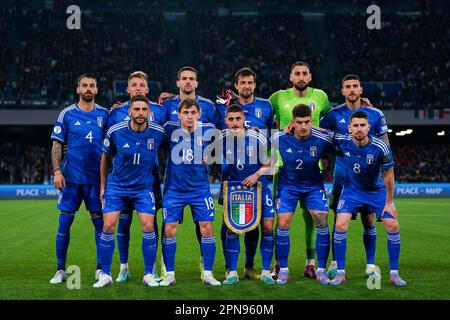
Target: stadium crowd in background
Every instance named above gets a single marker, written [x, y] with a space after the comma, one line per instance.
[412, 52]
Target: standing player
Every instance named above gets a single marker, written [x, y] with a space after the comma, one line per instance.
[369, 187]
[249, 167]
[186, 184]
[283, 101]
[137, 85]
[81, 127]
[258, 115]
[187, 83]
[300, 179]
[337, 120]
[133, 145]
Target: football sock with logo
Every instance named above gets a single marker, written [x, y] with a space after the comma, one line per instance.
[123, 236]
[322, 246]
[63, 238]
[370, 243]
[149, 250]
[393, 244]
[97, 221]
[208, 248]
[340, 247]
[106, 251]
[283, 245]
[232, 249]
[266, 249]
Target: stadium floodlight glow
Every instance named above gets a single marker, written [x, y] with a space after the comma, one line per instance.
[408, 131]
[390, 130]
[441, 133]
[400, 133]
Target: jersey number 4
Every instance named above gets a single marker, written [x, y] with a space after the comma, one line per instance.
[89, 137]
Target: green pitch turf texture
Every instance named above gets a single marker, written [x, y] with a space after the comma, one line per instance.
[27, 259]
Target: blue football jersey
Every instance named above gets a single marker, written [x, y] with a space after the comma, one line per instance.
[258, 113]
[83, 133]
[338, 119]
[299, 159]
[207, 108]
[242, 157]
[134, 156]
[157, 114]
[364, 164]
[186, 171]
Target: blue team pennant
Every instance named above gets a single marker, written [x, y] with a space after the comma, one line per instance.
[241, 206]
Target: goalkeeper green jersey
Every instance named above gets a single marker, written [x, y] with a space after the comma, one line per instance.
[283, 101]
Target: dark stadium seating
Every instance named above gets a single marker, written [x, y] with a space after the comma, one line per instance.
[404, 65]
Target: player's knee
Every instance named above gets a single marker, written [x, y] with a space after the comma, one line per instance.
[148, 226]
[169, 230]
[268, 225]
[320, 218]
[341, 226]
[283, 223]
[391, 225]
[206, 229]
[108, 226]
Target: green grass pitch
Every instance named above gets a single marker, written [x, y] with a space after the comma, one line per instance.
[27, 259]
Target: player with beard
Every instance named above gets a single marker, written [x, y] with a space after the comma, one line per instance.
[259, 116]
[81, 127]
[337, 120]
[283, 102]
[187, 83]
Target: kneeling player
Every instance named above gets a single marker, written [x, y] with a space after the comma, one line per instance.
[364, 158]
[248, 166]
[134, 145]
[187, 185]
[300, 179]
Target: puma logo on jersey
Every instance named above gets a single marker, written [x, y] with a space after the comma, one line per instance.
[126, 145]
[342, 121]
[78, 123]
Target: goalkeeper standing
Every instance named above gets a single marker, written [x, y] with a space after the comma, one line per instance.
[283, 101]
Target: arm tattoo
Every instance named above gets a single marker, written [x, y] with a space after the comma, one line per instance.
[56, 155]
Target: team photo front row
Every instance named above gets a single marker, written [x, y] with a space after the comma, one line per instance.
[111, 159]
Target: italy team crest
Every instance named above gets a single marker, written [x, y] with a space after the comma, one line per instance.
[258, 112]
[100, 122]
[241, 206]
[200, 141]
[150, 144]
[369, 159]
[151, 117]
[312, 105]
[313, 151]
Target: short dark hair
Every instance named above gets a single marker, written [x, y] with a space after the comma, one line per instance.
[244, 72]
[234, 108]
[350, 77]
[359, 115]
[300, 63]
[301, 111]
[86, 75]
[187, 103]
[139, 97]
[187, 68]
